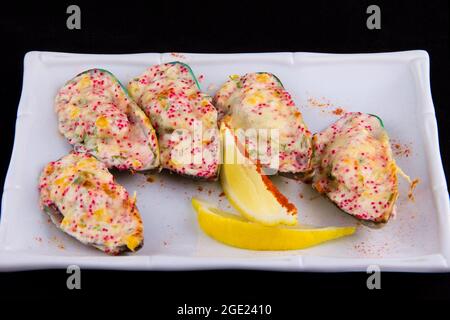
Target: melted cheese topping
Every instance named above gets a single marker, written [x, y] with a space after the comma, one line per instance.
[354, 167]
[96, 116]
[259, 101]
[95, 209]
[185, 119]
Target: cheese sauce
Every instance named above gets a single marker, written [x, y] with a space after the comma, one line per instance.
[96, 115]
[92, 207]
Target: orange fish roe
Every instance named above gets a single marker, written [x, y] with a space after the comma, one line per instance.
[338, 111]
[281, 198]
[401, 149]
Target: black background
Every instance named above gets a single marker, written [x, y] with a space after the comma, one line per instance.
[223, 27]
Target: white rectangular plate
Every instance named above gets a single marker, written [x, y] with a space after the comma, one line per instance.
[395, 86]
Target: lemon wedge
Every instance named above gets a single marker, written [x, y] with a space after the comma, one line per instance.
[233, 230]
[249, 191]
